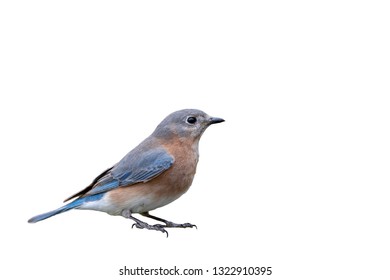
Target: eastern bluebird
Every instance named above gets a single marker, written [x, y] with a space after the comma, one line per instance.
[153, 174]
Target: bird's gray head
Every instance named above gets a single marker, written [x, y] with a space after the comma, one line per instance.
[187, 123]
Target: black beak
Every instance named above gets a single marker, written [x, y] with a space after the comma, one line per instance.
[216, 120]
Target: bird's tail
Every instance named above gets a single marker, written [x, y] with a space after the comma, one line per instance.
[62, 209]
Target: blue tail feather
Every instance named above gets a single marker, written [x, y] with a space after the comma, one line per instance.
[74, 204]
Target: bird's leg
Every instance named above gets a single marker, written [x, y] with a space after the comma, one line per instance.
[168, 224]
[140, 224]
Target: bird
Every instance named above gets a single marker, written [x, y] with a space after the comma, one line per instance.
[155, 173]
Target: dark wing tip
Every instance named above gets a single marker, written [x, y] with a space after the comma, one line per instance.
[90, 186]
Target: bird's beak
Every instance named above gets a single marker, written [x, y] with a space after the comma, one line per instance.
[215, 120]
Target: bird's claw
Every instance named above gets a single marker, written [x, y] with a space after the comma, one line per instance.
[157, 227]
[174, 225]
[190, 225]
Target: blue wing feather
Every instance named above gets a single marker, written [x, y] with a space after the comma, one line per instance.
[132, 169]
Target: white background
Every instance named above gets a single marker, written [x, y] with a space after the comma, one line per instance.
[297, 177]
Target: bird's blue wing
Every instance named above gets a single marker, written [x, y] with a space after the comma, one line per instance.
[151, 164]
[133, 168]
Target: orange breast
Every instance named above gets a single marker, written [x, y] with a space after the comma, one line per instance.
[165, 188]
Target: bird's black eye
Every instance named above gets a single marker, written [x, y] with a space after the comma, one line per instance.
[191, 120]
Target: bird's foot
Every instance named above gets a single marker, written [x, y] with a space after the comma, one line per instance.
[139, 224]
[169, 224]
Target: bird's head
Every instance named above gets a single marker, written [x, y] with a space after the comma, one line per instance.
[187, 123]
